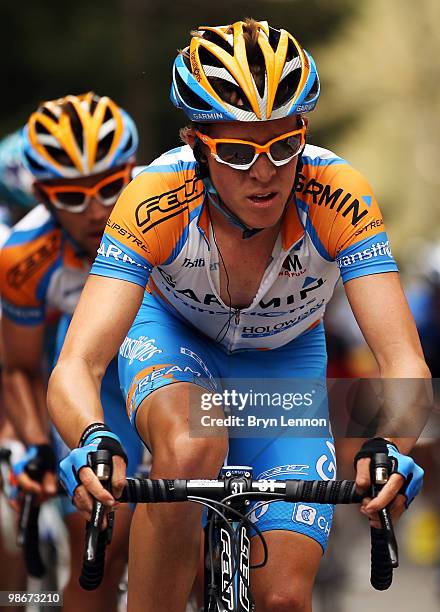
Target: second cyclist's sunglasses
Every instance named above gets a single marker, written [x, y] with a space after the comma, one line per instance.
[76, 198]
[242, 154]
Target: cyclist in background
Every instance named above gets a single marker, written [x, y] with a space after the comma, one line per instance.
[16, 191]
[16, 199]
[239, 237]
[80, 150]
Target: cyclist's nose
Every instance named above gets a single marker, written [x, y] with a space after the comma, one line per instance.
[263, 169]
[96, 211]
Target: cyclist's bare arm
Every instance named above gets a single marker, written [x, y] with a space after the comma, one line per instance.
[106, 309]
[24, 382]
[382, 312]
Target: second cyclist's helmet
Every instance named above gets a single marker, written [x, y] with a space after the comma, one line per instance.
[247, 71]
[77, 136]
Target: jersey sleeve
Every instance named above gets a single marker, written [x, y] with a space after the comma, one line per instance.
[146, 226]
[345, 221]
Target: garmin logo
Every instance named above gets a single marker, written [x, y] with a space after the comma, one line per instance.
[208, 116]
[304, 108]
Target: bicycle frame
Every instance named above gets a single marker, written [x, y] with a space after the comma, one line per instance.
[230, 591]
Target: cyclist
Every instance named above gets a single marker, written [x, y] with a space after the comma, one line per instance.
[80, 150]
[16, 199]
[16, 193]
[239, 237]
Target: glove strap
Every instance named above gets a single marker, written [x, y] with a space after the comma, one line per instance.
[92, 428]
[373, 446]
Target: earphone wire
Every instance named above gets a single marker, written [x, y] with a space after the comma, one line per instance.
[219, 337]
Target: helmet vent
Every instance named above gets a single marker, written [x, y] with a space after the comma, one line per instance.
[75, 124]
[256, 65]
[33, 164]
[231, 93]
[93, 104]
[218, 40]
[292, 51]
[274, 37]
[313, 90]
[60, 156]
[40, 128]
[104, 145]
[108, 114]
[287, 88]
[128, 144]
[48, 113]
[190, 98]
[208, 58]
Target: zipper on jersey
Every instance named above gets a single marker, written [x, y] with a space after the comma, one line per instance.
[236, 317]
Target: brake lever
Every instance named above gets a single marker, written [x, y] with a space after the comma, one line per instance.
[380, 473]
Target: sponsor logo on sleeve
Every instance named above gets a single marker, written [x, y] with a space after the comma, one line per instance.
[377, 249]
[159, 208]
[123, 231]
[370, 226]
[114, 252]
[328, 197]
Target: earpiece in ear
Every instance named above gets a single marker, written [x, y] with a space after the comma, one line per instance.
[202, 170]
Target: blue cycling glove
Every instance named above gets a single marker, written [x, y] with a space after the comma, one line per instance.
[400, 464]
[96, 437]
[38, 459]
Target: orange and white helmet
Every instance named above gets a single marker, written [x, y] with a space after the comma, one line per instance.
[247, 71]
[78, 136]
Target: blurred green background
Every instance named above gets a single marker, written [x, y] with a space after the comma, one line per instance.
[378, 62]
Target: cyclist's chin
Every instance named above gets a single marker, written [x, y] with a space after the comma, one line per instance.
[90, 244]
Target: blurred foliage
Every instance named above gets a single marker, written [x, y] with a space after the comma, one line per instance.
[382, 76]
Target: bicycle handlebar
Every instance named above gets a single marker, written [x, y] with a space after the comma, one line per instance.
[27, 528]
[312, 491]
[384, 553]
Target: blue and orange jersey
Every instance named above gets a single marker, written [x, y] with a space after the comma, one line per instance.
[159, 236]
[40, 270]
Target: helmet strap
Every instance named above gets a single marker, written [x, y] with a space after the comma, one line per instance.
[215, 200]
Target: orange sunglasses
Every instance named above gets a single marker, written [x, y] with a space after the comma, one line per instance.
[242, 154]
[76, 198]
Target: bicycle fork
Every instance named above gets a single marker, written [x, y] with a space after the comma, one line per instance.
[227, 586]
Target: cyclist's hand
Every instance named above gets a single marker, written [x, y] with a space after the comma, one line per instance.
[79, 480]
[35, 472]
[403, 485]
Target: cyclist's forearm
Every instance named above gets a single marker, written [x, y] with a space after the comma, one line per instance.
[406, 400]
[25, 403]
[73, 398]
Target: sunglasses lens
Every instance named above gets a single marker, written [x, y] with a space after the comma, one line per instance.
[285, 148]
[112, 190]
[235, 153]
[70, 198]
